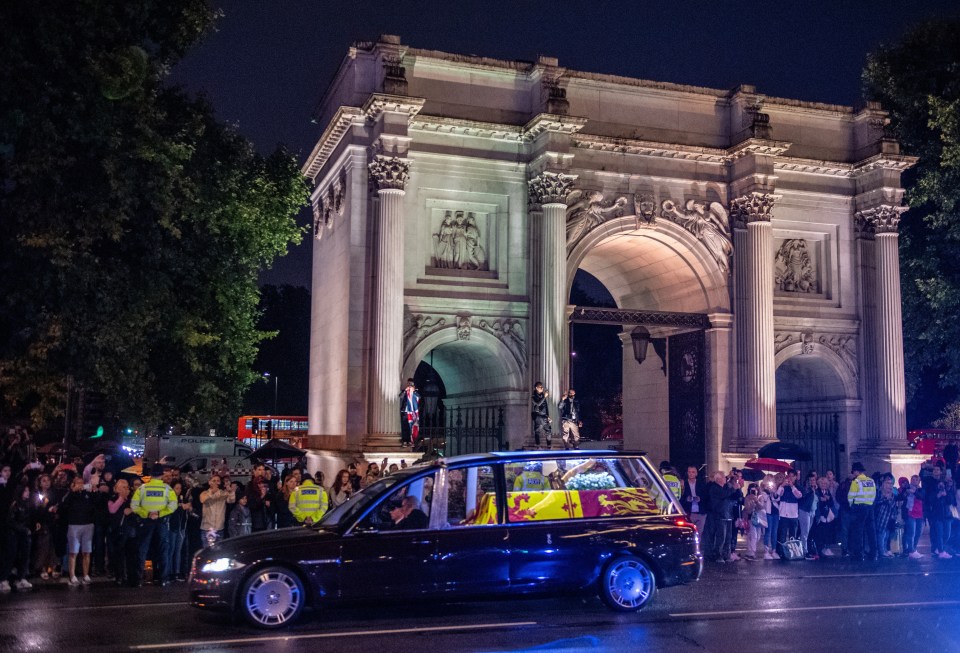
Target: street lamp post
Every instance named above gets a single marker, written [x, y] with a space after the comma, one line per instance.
[276, 383]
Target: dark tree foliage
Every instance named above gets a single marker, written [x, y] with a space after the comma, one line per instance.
[134, 224]
[285, 311]
[918, 81]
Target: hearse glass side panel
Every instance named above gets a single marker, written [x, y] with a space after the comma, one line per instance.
[549, 500]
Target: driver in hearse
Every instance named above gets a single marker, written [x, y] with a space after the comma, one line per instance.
[405, 514]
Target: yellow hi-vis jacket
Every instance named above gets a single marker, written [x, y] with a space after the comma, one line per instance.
[153, 496]
[308, 500]
[530, 482]
[674, 484]
[863, 491]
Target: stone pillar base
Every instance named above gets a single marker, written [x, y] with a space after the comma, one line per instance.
[896, 457]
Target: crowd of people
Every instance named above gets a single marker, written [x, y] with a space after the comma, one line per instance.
[76, 521]
[820, 516]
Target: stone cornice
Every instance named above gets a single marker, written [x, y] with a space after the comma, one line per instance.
[899, 162]
[759, 146]
[650, 148]
[548, 122]
[380, 103]
[336, 128]
[460, 127]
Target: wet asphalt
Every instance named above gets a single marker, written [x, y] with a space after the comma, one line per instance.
[808, 606]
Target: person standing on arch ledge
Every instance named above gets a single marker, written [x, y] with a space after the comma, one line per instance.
[570, 420]
[409, 415]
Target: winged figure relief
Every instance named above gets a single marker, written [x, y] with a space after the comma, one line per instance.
[709, 224]
[586, 209]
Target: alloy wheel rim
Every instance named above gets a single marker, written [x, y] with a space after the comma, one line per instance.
[629, 583]
[273, 598]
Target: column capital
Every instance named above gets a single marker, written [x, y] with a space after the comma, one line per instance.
[752, 207]
[388, 172]
[883, 219]
[550, 188]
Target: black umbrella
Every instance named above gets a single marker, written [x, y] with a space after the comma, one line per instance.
[784, 451]
[277, 450]
[752, 475]
[58, 448]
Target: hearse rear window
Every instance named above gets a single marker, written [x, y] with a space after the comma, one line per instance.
[588, 488]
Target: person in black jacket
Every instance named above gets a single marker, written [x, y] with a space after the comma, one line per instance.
[541, 416]
[721, 493]
[77, 511]
[693, 497]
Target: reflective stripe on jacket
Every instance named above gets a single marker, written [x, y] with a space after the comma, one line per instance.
[153, 496]
[308, 500]
[863, 491]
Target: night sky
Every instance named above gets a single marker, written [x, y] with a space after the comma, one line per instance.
[267, 65]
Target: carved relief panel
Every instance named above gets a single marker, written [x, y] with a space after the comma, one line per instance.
[459, 243]
[794, 268]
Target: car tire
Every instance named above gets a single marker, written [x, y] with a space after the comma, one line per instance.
[627, 584]
[272, 597]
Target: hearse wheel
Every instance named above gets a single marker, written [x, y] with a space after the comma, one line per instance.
[272, 597]
[627, 584]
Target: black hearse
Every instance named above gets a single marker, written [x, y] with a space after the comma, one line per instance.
[517, 523]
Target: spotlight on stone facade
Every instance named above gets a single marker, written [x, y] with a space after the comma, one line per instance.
[641, 340]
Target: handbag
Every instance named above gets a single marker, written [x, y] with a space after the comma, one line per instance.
[792, 550]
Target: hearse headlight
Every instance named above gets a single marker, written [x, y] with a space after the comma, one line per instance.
[220, 564]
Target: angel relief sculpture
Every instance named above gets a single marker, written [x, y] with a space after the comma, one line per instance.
[710, 225]
[456, 245]
[586, 209]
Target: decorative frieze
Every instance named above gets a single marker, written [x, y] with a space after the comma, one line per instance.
[388, 172]
[457, 243]
[793, 269]
[327, 205]
[709, 224]
[883, 219]
[841, 344]
[550, 188]
[507, 330]
[752, 207]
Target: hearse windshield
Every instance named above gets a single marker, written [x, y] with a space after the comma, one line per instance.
[345, 512]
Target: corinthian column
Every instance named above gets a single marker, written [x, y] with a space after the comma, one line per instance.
[549, 192]
[389, 176]
[889, 417]
[758, 412]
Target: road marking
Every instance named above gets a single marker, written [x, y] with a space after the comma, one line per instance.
[815, 608]
[352, 633]
[889, 573]
[125, 606]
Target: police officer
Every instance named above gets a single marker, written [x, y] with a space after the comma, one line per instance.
[671, 479]
[153, 503]
[862, 494]
[308, 502]
[531, 480]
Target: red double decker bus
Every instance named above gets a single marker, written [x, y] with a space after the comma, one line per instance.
[932, 441]
[254, 430]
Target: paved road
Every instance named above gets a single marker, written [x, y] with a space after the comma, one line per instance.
[743, 607]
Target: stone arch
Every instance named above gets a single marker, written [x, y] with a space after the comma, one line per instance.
[482, 357]
[827, 356]
[712, 283]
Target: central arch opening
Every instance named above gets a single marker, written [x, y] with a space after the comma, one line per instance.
[663, 395]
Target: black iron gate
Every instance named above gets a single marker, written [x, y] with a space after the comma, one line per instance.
[454, 431]
[687, 386]
[818, 433]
